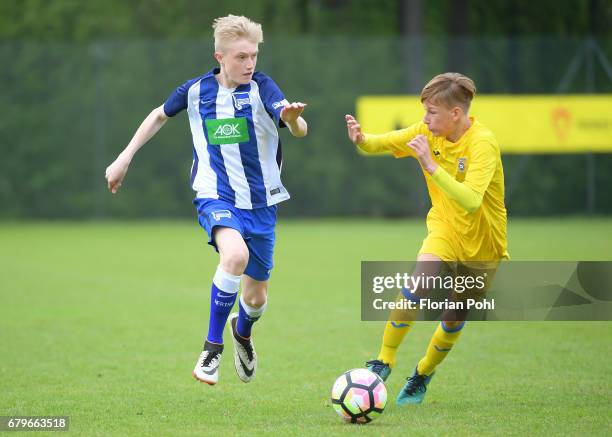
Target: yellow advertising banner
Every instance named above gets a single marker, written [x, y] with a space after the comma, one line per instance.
[521, 123]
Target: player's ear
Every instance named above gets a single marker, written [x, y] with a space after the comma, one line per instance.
[219, 57]
[457, 112]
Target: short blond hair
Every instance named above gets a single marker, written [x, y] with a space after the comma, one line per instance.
[450, 89]
[233, 27]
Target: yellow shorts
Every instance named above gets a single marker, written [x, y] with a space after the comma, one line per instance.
[441, 244]
[446, 245]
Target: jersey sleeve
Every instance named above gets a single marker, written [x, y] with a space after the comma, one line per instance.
[467, 198]
[393, 142]
[469, 193]
[272, 97]
[177, 101]
[482, 168]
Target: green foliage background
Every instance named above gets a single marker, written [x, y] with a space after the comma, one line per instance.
[78, 78]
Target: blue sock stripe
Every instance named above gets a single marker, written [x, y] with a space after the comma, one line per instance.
[410, 296]
[399, 324]
[459, 327]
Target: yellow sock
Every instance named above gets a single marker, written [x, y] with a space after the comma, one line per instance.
[392, 338]
[440, 345]
[400, 322]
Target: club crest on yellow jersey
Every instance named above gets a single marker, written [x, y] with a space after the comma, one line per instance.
[461, 164]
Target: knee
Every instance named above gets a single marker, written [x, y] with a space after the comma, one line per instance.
[235, 261]
[453, 325]
[454, 318]
[256, 300]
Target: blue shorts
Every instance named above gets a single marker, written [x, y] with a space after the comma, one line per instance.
[255, 225]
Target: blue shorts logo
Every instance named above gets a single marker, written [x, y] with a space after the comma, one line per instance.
[218, 215]
[241, 100]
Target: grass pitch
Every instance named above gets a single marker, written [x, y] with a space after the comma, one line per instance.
[103, 322]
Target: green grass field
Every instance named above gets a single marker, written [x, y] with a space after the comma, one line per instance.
[103, 322]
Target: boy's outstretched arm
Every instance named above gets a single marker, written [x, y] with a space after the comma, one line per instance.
[354, 130]
[148, 128]
[358, 138]
[291, 115]
[393, 142]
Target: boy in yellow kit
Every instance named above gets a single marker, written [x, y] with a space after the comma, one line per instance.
[466, 225]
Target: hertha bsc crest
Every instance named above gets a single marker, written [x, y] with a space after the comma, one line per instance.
[218, 215]
[461, 164]
[241, 100]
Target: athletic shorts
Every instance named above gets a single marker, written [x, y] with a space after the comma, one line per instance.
[255, 225]
[440, 241]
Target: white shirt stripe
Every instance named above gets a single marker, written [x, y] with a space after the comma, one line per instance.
[205, 181]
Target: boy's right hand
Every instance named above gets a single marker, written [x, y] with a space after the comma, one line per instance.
[116, 172]
[354, 130]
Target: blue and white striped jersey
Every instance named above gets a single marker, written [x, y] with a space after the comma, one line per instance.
[237, 153]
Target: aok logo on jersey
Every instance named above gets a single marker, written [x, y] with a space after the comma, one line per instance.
[227, 130]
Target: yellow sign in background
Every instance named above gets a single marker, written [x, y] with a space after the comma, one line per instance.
[521, 123]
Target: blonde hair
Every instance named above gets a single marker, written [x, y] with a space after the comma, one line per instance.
[450, 89]
[232, 28]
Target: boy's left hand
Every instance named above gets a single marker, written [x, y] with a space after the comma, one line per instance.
[420, 145]
[291, 112]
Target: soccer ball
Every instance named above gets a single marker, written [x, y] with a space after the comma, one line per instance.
[359, 396]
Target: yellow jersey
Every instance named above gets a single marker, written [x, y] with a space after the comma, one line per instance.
[477, 233]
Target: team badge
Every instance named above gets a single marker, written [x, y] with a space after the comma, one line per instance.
[461, 164]
[218, 215]
[241, 100]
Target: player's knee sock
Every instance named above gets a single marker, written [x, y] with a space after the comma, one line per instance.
[222, 298]
[440, 345]
[247, 316]
[396, 330]
[392, 338]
